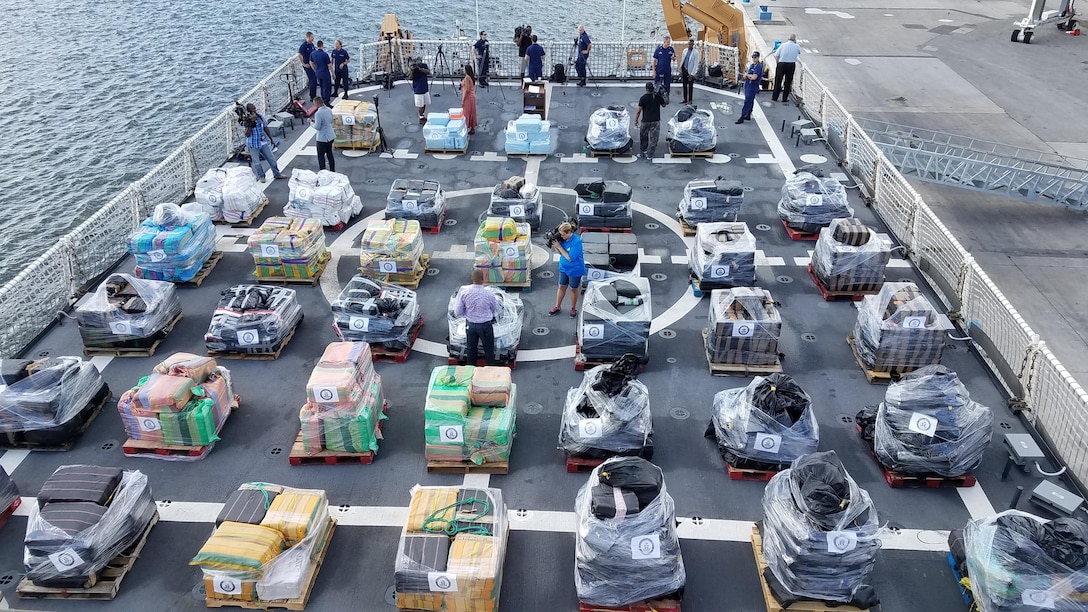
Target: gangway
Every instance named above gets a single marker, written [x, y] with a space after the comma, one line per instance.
[939, 157]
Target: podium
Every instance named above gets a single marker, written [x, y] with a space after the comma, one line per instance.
[534, 98]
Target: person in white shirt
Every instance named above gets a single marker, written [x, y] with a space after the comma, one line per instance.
[689, 65]
[786, 54]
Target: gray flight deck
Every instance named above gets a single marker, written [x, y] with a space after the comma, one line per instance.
[369, 500]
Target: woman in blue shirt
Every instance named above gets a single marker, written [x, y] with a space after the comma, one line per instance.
[572, 267]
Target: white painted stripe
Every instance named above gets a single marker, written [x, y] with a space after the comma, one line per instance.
[310, 151]
[898, 263]
[488, 156]
[532, 170]
[188, 512]
[763, 260]
[802, 261]
[456, 251]
[101, 362]
[978, 504]
[578, 158]
[648, 259]
[231, 245]
[11, 459]
[780, 155]
[477, 481]
[400, 154]
[763, 158]
[679, 260]
[669, 159]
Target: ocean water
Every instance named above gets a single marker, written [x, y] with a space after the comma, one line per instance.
[96, 93]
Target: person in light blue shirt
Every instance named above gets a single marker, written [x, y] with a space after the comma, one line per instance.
[325, 134]
[786, 54]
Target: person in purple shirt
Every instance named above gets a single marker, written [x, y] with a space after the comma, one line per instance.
[304, 51]
[480, 308]
[321, 64]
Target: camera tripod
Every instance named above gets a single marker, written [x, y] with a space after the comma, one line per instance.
[485, 82]
[589, 72]
[442, 67]
[382, 146]
[388, 82]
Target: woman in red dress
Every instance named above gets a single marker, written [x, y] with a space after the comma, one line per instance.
[468, 98]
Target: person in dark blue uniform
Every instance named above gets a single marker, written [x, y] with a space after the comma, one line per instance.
[752, 79]
[536, 54]
[584, 47]
[304, 51]
[322, 67]
[482, 50]
[341, 76]
[663, 65]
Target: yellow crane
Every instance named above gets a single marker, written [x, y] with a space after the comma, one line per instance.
[723, 23]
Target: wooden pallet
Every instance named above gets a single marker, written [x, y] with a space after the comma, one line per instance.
[582, 364]
[606, 230]
[360, 147]
[875, 377]
[526, 155]
[653, 605]
[6, 514]
[204, 271]
[831, 296]
[424, 262]
[434, 229]
[581, 464]
[380, 353]
[299, 456]
[309, 280]
[736, 473]
[796, 235]
[900, 480]
[467, 467]
[103, 351]
[736, 369]
[461, 151]
[687, 230]
[103, 585]
[523, 286]
[148, 448]
[608, 154]
[245, 222]
[257, 356]
[703, 154]
[804, 605]
[296, 603]
[963, 585]
[88, 415]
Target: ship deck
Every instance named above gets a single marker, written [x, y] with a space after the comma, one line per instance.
[715, 513]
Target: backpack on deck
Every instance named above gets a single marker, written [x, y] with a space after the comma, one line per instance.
[559, 75]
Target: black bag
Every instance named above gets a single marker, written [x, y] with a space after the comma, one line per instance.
[715, 71]
[559, 75]
[662, 90]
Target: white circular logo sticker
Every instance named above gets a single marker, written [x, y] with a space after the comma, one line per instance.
[329, 395]
[213, 198]
[646, 547]
[517, 210]
[1041, 599]
[270, 250]
[698, 204]
[359, 324]
[585, 208]
[522, 136]
[814, 199]
[247, 337]
[227, 585]
[65, 559]
[743, 330]
[387, 267]
[923, 424]
[914, 322]
[442, 582]
[594, 331]
[510, 251]
[348, 119]
[149, 424]
[719, 272]
[768, 443]
[157, 255]
[121, 328]
[595, 274]
[589, 428]
[451, 433]
[839, 542]
[612, 123]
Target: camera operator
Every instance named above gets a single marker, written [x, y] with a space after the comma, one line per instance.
[259, 143]
[572, 266]
[482, 51]
[584, 47]
[523, 38]
[421, 87]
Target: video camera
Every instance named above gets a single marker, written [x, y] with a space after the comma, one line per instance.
[245, 118]
[522, 30]
[552, 236]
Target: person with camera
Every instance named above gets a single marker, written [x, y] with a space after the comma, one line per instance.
[572, 265]
[585, 45]
[321, 64]
[480, 308]
[304, 51]
[649, 112]
[341, 74]
[522, 37]
[482, 48]
[421, 87]
[536, 54]
[325, 134]
[663, 56]
[468, 98]
[259, 143]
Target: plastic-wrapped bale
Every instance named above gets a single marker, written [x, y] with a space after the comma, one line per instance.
[602, 203]
[626, 549]
[47, 402]
[371, 311]
[209, 192]
[529, 134]
[391, 251]
[609, 130]
[127, 312]
[710, 201]
[264, 544]
[518, 200]
[325, 196]
[456, 430]
[344, 401]
[897, 329]
[288, 248]
[765, 425]
[1018, 561]
[452, 550]
[85, 516]
[252, 319]
[928, 424]
[444, 133]
[615, 319]
[241, 195]
[819, 534]
[8, 491]
[507, 326]
[356, 125]
[724, 255]
[809, 203]
[173, 244]
[851, 257]
[503, 250]
[692, 130]
[185, 408]
[744, 327]
[608, 414]
[417, 200]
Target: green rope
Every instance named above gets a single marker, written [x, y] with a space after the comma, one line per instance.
[260, 487]
[451, 527]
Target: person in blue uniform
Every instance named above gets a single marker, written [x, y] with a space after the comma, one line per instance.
[585, 45]
[341, 76]
[536, 54]
[752, 79]
[321, 64]
[663, 65]
[482, 49]
[304, 51]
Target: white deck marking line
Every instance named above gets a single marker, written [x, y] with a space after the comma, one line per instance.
[532, 170]
[11, 459]
[230, 245]
[679, 260]
[400, 154]
[669, 159]
[101, 362]
[578, 158]
[488, 156]
[343, 246]
[763, 260]
[899, 263]
[784, 162]
[653, 260]
[802, 261]
[763, 158]
[456, 251]
[312, 151]
[978, 504]
[477, 481]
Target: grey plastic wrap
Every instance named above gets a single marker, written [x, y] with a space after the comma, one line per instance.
[898, 329]
[929, 424]
[609, 129]
[845, 267]
[711, 200]
[53, 554]
[523, 205]
[692, 129]
[372, 311]
[1018, 562]
[418, 200]
[615, 319]
[596, 421]
[242, 196]
[634, 555]
[809, 202]
[819, 530]
[744, 327]
[252, 319]
[507, 325]
[8, 491]
[324, 195]
[724, 254]
[209, 192]
[125, 309]
[56, 392]
[770, 421]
